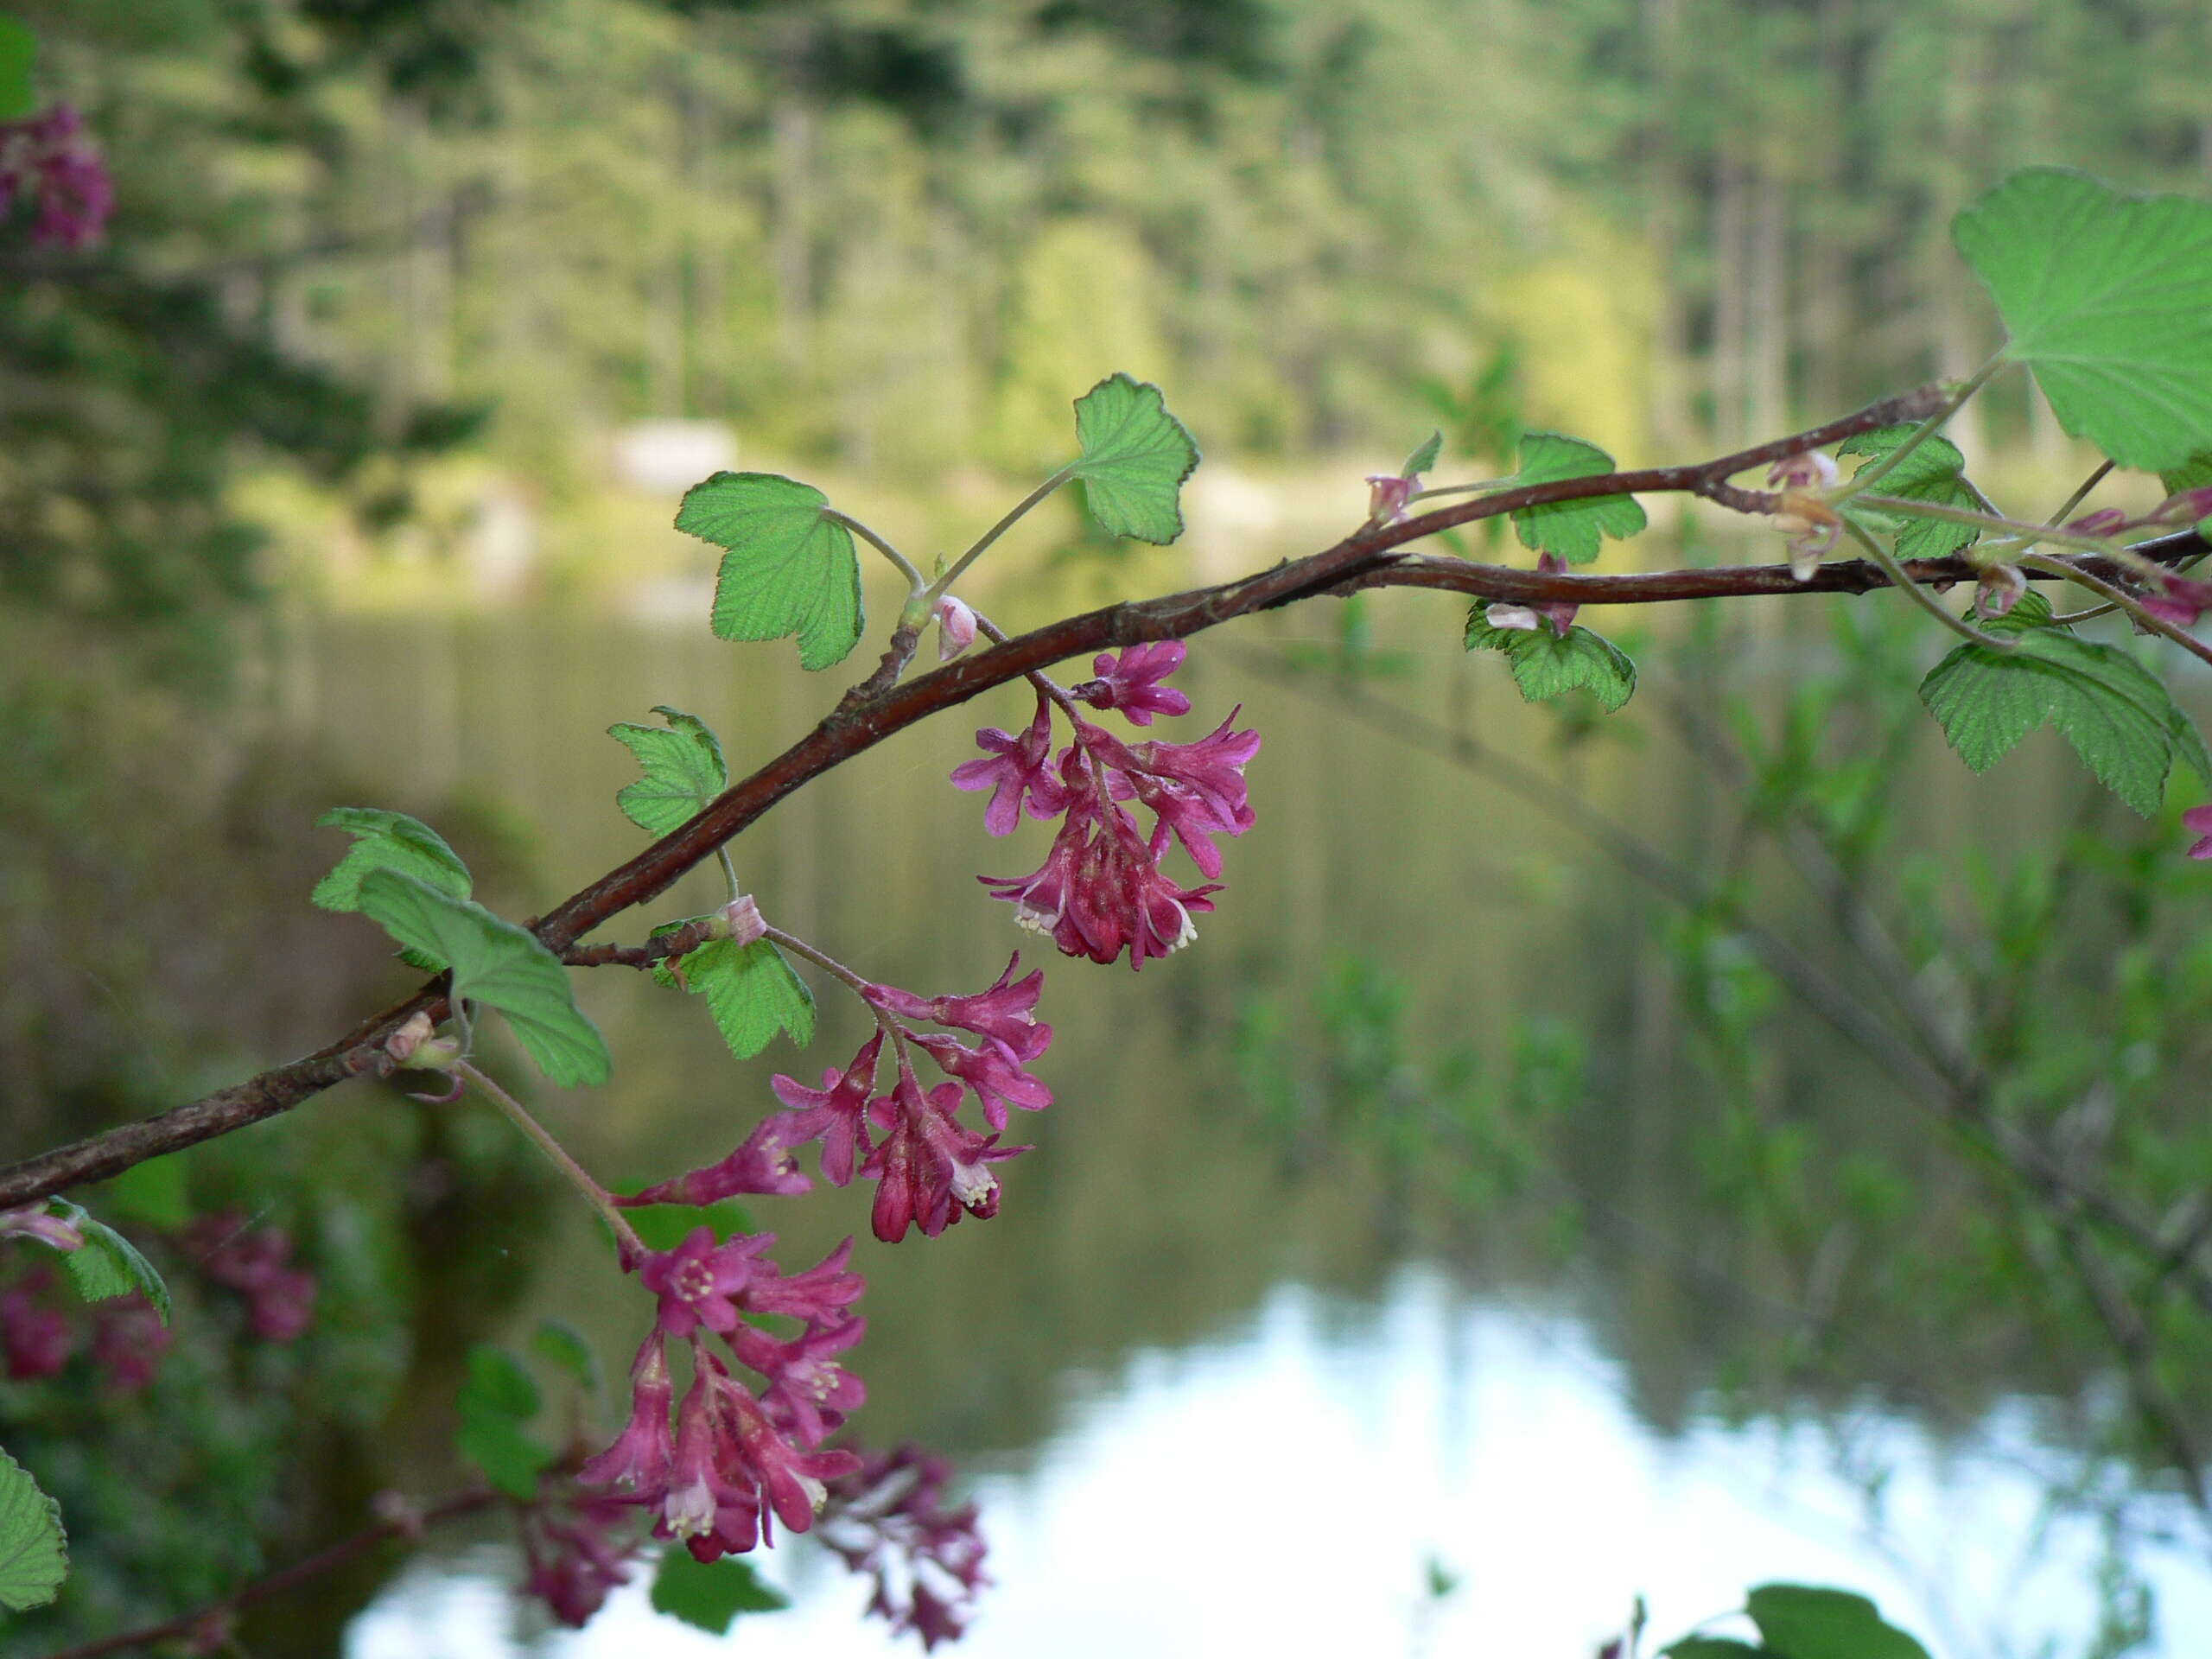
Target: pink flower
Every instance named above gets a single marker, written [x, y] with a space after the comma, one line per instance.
[956, 628]
[36, 1338]
[129, 1341]
[1999, 589]
[2105, 521]
[33, 1221]
[2186, 508]
[280, 1298]
[1099, 893]
[712, 1503]
[2181, 602]
[2198, 821]
[836, 1113]
[47, 160]
[762, 1164]
[822, 1294]
[639, 1461]
[993, 1070]
[1018, 772]
[1809, 470]
[572, 1561]
[1132, 685]
[927, 1168]
[889, 1519]
[1559, 614]
[808, 1393]
[698, 1282]
[1387, 494]
[1003, 1012]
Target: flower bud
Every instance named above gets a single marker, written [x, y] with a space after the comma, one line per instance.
[956, 628]
[744, 918]
[1809, 470]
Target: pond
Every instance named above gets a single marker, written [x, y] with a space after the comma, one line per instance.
[1212, 1391]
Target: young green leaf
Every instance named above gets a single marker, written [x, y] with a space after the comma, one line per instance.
[18, 51]
[496, 1399]
[751, 991]
[2118, 714]
[711, 1594]
[684, 770]
[1573, 530]
[34, 1550]
[497, 964]
[2108, 300]
[107, 1264]
[1808, 1622]
[1136, 456]
[1545, 665]
[788, 566]
[1932, 472]
[387, 841]
[1423, 458]
[1714, 1647]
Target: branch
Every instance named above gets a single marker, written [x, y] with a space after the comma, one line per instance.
[189, 1627]
[883, 706]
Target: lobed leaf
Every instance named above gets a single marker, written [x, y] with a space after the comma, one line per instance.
[2108, 301]
[1572, 530]
[387, 841]
[1545, 665]
[1804, 1621]
[1935, 472]
[107, 1264]
[709, 1595]
[34, 1549]
[1423, 458]
[497, 964]
[684, 768]
[751, 992]
[1135, 457]
[2116, 714]
[788, 568]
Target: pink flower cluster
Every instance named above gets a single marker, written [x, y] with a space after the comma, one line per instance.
[1101, 890]
[888, 1519]
[255, 1262]
[573, 1554]
[47, 161]
[732, 1463]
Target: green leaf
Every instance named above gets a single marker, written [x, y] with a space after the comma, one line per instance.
[387, 841]
[1714, 1647]
[18, 51]
[2109, 299]
[751, 991]
[1423, 458]
[497, 964]
[1803, 1622]
[1572, 530]
[559, 1343]
[664, 1226]
[107, 1264]
[788, 566]
[34, 1550]
[496, 1399]
[1136, 456]
[1545, 665]
[711, 1594]
[2116, 714]
[1932, 472]
[684, 770]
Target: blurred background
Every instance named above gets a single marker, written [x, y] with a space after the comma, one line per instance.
[1484, 1222]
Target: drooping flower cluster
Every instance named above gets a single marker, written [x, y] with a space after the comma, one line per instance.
[49, 163]
[888, 1519]
[255, 1262]
[733, 1462]
[574, 1553]
[1101, 890]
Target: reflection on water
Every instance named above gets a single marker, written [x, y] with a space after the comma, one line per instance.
[1209, 1395]
[1278, 1488]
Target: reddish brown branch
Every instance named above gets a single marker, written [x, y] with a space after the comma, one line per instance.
[190, 1626]
[1370, 557]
